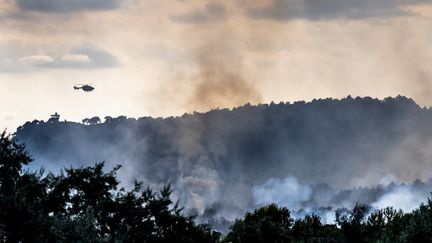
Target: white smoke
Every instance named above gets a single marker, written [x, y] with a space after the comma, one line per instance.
[200, 188]
[401, 197]
[286, 192]
[301, 200]
[388, 179]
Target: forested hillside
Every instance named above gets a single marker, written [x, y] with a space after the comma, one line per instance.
[224, 162]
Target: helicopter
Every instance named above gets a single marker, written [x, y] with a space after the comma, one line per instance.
[85, 87]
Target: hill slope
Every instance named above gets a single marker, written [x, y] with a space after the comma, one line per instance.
[223, 159]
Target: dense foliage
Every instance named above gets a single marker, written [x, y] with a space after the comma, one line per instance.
[274, 224]
[85, 205]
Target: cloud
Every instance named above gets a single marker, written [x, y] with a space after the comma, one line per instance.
[86, 58]
[212, 12]
[77, 58]
[36, 59]
[80, 58]
[66, 5]
[282, 10]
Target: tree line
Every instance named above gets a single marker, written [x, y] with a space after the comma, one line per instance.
[275, 224]
[87, 205]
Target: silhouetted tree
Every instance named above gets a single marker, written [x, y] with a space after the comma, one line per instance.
[85, 205]
[383, 225]
[311, 229]
[108, 119]
[94, 120]
[22, 195]
[351, 222]
[91, 121]
[266, 224]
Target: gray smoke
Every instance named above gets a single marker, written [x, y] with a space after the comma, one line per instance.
[310, 157]
[286, 192]
[307, 199]
[405, 197]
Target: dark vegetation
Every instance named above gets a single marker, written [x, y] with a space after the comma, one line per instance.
[274, 224]
[86, 205]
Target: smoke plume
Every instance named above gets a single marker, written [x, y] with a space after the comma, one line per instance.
[286, 192]
[310, 157]
[220, 81]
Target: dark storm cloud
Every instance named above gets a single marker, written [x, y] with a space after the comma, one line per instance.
[282, 10]
[211, 12]
[66, 5]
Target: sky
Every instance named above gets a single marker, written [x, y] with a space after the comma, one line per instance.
[165, 58]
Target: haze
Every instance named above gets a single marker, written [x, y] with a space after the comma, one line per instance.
[163, 58]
